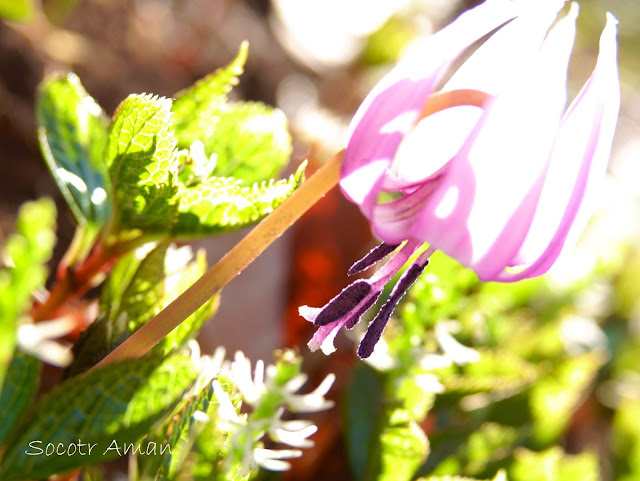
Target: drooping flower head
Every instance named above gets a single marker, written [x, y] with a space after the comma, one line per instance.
[491, 168]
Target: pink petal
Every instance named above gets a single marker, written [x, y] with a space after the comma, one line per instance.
[393, 222]
[438, 138]
[392, 107]
[482, 209]
[427, 149]
[493, 66]
[580, 156]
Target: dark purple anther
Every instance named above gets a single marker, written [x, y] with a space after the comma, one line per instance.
[355, 317]
[376, 254]
[340, 305]
[376, 328]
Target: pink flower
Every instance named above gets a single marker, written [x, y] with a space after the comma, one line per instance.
[501, 184]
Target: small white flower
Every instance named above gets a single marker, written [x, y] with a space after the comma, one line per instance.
[203, 166]
[294, 438]
[312, 402]
[259, 387]
[381, 359]
[250, 389]
[455, 351]
[272, 459]
[429, 362]
[226, 411]
[39, 340]
[201, 417]
[580, 334]
[429, 383]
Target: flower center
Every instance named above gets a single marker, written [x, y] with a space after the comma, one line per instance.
[442, 100]
[445, 122]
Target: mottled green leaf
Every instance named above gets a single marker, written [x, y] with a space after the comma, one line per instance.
[180, 433]
[23, 255]
[57, 11]
[478, 452]
[178, 282]
[403, 448]
[20, 386]
[251, 142]
[626, 438]
[499, 477]
[111, 407]
[199, 443]
[553, 465]
[141, 157]
[131, 296]
[210, 458]
[195, 107]
[17, 10]
[489, 444]
[555, 397]
[362, 406]
[495, 371]
[72, 129]
[142, 283]
[222, 204]
[384, 442]
[385, 45]
[416, 397]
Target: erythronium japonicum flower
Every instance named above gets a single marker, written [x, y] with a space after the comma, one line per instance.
[491, 168]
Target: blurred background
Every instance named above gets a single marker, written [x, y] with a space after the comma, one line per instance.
[316, 61]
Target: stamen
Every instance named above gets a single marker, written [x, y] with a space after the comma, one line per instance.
[375, 255]
[344, 302]
[355, 317]
[376, 328]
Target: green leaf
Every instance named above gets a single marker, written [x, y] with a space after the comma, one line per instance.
[141, 157]
[24, 254]
[20, 386]
[403, 448]
[211, 458]
[499, 477]
[199, 444]
[495, 371]
[553, 465]
[478, 452]
[142, 283]
[57, 11]
[556, 396]
[416, 397]
[175, 284]
[72, 130]
[626, 438]
[143, 296]
[17, 10]
[489, 444]
[130, 297]
[363, 405]
[110, 408]
[222, 204]
[251, 142]
[180, 433]
[195, 107]
[384, 442]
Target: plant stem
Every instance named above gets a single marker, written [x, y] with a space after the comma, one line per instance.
[74, 282]
[242, 254]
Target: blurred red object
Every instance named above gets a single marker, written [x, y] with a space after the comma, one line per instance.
[330, 237]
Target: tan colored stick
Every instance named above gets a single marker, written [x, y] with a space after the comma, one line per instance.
[230, 265]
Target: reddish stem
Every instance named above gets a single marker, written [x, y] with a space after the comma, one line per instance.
[73, 282]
